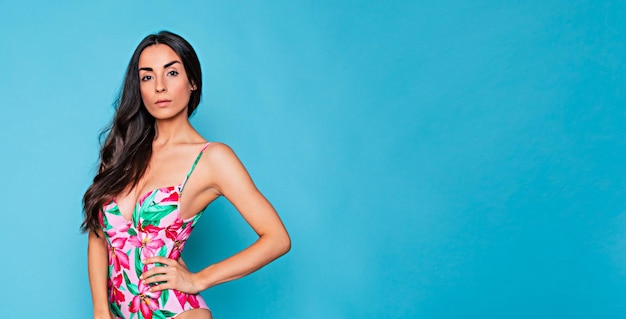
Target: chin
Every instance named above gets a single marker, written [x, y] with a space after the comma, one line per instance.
[165, 114]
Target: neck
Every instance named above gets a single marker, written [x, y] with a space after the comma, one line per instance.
[173, 131]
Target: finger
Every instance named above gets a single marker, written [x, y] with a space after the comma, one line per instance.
[154, 271]
[162, 286]
[156, 279]
[159, 259]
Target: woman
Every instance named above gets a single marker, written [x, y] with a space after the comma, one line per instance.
[156, 177]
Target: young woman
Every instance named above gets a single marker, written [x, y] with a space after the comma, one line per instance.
[156, 177]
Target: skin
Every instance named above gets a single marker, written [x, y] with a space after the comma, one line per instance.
[98, 264]
[165, 90]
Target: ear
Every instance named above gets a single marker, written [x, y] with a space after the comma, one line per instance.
[193, 86]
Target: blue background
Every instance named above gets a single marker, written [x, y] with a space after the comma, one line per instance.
[431, 159]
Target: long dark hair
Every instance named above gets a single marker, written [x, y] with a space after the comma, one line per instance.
[127, 149]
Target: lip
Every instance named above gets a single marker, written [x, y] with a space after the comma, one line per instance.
[163, 102]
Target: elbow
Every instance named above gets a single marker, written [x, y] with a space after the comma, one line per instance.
[287, 245]
[276, 244]
[283, 244]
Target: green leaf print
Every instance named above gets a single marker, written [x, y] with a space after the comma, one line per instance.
[165, 295]
[163, 251]
[145, 223]
[168, 313]
[138, 263]
[155, 213]
[131, 287]
[149, 200]
[115, 309]
[115, 211]
[132, 232]
[136, 216]
[105, 220]
[158, 315]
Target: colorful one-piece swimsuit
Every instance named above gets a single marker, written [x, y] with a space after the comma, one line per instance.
[155, 229]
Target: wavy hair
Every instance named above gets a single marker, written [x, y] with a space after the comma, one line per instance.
[127, 149]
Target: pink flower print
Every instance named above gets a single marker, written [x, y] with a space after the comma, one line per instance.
[115, 295]
[171, 231]
[183, 235]
[174, 254]
[183, 298]
[146, 301]
[173, 197]
[125, 227]
[148, 242]
[148, 228]
[146, 195]
[179, 241]
[113, 232]
[117, 257]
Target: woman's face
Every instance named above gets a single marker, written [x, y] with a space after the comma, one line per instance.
[165, 87]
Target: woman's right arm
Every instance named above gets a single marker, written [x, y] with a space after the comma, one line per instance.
[98, 264]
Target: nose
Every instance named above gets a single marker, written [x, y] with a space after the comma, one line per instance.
[160, 86]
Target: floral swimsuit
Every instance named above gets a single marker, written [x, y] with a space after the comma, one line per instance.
[155, 229]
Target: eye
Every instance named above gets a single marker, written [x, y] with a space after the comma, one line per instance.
[146, 78]
[172, 73]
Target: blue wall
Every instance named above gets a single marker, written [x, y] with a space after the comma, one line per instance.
[431, 159]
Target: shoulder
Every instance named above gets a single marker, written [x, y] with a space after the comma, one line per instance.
[217, 150]
[219, 154]
[223, 168]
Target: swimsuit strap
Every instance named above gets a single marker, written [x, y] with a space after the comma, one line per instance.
[194, 165]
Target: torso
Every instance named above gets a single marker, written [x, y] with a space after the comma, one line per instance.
[152, 225]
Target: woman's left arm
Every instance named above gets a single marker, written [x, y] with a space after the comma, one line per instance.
[231, 180]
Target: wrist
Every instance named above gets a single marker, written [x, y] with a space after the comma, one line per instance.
[203, 280]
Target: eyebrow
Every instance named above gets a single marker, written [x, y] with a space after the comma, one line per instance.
[167, 65]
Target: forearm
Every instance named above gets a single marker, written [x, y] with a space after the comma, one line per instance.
[259, 254]
[98, 267]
